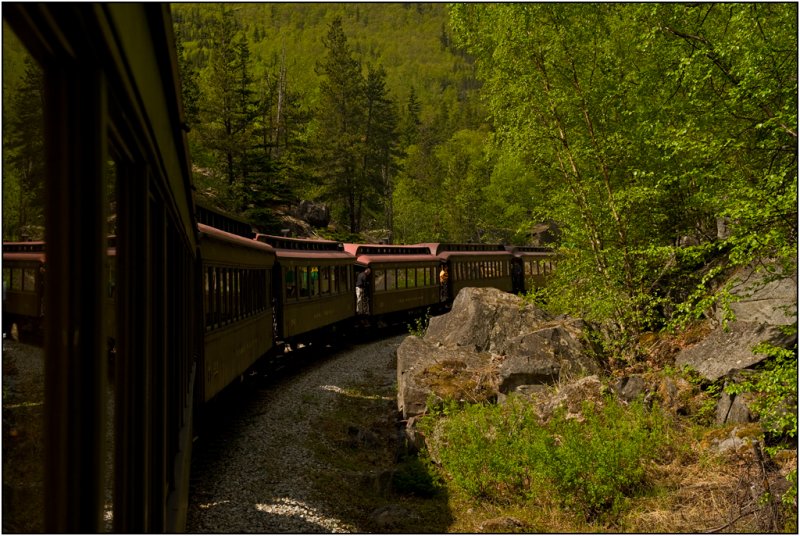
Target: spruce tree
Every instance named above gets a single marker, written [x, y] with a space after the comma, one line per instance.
[340, 117]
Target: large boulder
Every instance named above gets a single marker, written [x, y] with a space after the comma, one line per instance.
[316, 214]
[724, 352]
[763, 298]
[484, 319]
[763, 304]
[426, 371]
[547, 355]
[491, 343]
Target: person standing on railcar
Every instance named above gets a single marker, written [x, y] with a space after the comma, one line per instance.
[443, 276]
[362, 292]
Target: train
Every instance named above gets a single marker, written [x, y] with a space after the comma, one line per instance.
[185, 300]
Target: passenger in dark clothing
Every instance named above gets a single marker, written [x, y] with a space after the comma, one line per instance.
[362, 292]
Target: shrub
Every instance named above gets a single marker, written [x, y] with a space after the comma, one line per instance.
[504, 454]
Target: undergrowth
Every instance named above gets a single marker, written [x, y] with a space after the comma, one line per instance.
[503, 454]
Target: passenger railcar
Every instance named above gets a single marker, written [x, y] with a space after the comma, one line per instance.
[113, 125]
[237, 306]
[534, 266]
[313, 285]
[23, 284]
[474, 265]
[403, 278]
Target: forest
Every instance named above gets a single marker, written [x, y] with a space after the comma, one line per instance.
[653, 138]
[656, 141]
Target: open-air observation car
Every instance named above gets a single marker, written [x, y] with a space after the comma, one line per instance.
[402, 277]
[314, 282]
[474, 265]
[237, 306]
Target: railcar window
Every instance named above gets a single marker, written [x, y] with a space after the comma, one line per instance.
[379, 280]
[16, 279]
[314, 271]
[303, 273]
[334, 280]
[29, 283]
[23, 219]
[324, 280]
[391, 279]
[290, 282]
[402, 280]
[421, 280]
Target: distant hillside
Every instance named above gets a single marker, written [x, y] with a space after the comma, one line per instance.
[411, 41]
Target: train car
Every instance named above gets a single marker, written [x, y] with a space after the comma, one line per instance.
[533, 264]
[474, 265]
[113, 138]
[24, 275]
[403, 278]
[237, 307]
[23, 284]
[219, 219]
[313, 285]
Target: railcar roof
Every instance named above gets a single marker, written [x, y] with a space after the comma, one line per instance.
[23, 257]
[367, 254]
[385, 249]
[23, 247]
[446, 255]
[366, 260]
[224, 236]
[299, 244]
[313, 255]
[437, 248]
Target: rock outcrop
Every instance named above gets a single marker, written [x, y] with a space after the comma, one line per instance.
[491, 343]
[763, 304]
[316, 214]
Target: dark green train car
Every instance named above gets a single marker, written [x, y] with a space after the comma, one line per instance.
[403, 278]
[474, 265]
[237, 306]
[313, 284]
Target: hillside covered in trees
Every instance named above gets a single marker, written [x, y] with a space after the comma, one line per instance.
[636, 128]
[659, 140]
[329, 102]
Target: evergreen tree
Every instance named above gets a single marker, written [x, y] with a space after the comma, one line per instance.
[411, 121]
[190, 91]
[23, 155]
[340, 118]
[380, 140]
[227, 107]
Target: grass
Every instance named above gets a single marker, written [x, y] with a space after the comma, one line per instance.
[618, 468]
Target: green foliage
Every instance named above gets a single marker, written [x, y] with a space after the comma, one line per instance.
[638, 125]
[419, 325]
[775, 389]
[414, 476]
[503, 453]
[23, 144]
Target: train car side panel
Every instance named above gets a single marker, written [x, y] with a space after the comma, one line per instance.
[317, 291]
[400, 286]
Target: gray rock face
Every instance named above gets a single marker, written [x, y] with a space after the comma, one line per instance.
[732, 409]
[425, 370]
[316, 214]
[545, 356]
[762, 301]
[488, 345]
[484, 319]
[722, 353]
[763, 306]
